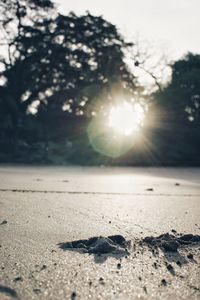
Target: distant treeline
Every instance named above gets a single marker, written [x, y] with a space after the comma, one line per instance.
[58, 72]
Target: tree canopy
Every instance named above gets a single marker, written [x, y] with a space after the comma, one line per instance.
[69, 64]
[180, 99]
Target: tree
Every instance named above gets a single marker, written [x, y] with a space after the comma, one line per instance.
[64, 64]
[17, 15]
[174, 114]
[180, 99]
[150, 65]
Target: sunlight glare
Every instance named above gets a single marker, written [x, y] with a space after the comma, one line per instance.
[126, 118]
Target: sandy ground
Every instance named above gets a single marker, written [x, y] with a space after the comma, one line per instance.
[44, 206]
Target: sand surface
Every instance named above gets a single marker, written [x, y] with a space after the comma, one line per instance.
[44, 207]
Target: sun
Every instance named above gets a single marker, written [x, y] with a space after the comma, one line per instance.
[126, 119]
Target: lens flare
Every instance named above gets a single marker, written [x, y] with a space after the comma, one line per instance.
[126, 118]
[115, 131]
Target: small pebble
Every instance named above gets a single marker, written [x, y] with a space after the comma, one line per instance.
[36, 291]
[169, 267]
[3, 222]
[101, 280]
[190, 256]
[164, 282]
[73, 296]
[145, 289]
[18, 279]
[43, 267]
[119, 266]
[155, 265]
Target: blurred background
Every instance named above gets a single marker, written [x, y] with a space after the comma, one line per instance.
[100, 82]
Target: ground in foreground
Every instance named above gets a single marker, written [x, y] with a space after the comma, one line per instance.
[42, 209]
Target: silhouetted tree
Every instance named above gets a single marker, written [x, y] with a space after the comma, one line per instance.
[179, 102]
[60, 64]
[16, 17]
[175, 114]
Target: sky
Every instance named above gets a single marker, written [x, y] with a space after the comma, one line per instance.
[172, 25]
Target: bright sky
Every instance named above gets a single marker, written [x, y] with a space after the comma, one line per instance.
[173, 25]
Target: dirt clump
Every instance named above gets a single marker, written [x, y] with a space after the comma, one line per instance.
[98, 245]
[171, 242]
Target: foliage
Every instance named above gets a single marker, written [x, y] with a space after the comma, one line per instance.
[57, 64]
[180, 100]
